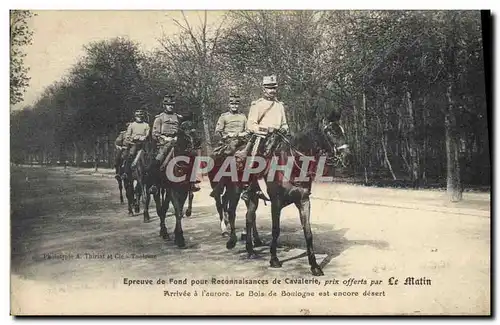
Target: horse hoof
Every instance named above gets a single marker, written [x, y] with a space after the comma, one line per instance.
[164, 234]
[147, 220]
[243, 237]
[275, 263]
[316, 271]
[137, 210]
[131, 214]
[231, 243]
[180, 242]
[225, 234]
[253, 256]
[258, 243]
[188, 213]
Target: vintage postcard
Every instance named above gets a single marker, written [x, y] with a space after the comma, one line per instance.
[311, 162]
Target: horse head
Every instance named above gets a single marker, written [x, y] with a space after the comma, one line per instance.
[335, 144]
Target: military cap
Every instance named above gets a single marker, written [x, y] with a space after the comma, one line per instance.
[234, 99]
[269, 81]
[168, 99]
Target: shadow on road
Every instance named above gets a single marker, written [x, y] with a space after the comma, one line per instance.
[54, 213]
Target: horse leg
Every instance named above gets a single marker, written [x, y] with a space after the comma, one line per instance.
[232, 202]
[190, 204]
[138, 195]
[276, 207]
[252, 205]
[225, 202]
[220, 210]
[120, 187]
[178, 200]
[257, 242]
[129, 190]
[147, 200]
[159, 210]
[304, 207]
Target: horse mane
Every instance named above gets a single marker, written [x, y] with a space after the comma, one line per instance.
[307, 140]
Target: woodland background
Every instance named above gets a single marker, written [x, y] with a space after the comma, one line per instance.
[410, 86]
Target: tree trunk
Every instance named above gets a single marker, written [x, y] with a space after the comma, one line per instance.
[365, 140]
[206, 128]
[386, 158]
[383, 141]
[453, 182]
[412, 143]
[356, 135]
[111, 150]
[96, 155]
[424, 145]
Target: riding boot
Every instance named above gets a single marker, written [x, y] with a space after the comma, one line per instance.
[123, 169]
[154, 175]
[126, 167]
[117, 172]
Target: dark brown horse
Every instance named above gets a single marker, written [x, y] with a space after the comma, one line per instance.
[175, 191]
[120, 188]
[227, 195]
[327, 143]
[134, 182]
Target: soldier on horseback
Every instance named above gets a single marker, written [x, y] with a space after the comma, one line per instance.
[120, 151]
[231, 128]
[165, 129]
[266, 115]
[134, 139]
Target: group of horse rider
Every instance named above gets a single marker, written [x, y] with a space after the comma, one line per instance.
[164, 134]
[266, 115]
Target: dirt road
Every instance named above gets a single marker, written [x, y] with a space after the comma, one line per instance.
[73, 246]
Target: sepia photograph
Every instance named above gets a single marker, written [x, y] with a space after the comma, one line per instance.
[250, 162]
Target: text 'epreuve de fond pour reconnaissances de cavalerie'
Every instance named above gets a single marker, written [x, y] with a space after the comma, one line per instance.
[274, 287]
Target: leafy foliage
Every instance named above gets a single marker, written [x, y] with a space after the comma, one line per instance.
[20, 36]
[404, 82]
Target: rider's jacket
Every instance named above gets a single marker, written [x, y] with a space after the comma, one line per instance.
[231, 123]
[165, 124]
[274, 116]
[137, 129]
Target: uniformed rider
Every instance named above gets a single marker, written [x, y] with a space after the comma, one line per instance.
[231, 128]
[119, 153]
[165, 129]
[135, 136]
[266, 115]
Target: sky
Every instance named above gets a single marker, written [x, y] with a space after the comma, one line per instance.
[59, 38]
